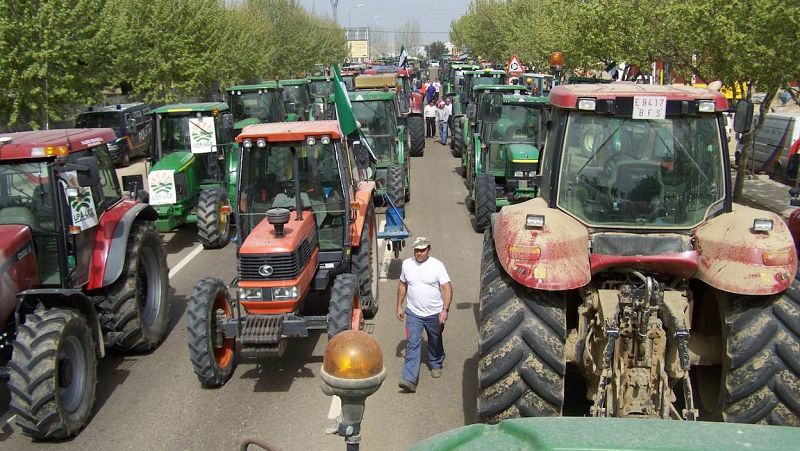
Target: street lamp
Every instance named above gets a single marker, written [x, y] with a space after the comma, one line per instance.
[360, 5]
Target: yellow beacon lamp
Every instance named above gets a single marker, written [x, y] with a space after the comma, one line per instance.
[352, 369]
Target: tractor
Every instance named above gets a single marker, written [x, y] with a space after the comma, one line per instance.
[634, 286]
[537, 84]
[84, 269]
[305, 249]
[465, 102]
[502, 168]
[258, 103]
[377, 113]
[193, 170]
[411, 110]
[298, 100]
[321, 92]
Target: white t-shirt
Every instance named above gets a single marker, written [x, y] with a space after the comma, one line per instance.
[424, 280]
[429, 111]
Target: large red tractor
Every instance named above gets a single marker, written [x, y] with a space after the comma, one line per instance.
[83, 269]
[305, 257]
[633, 280]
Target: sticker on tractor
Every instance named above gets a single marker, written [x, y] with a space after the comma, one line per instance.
[202, 134]
[162, 187]
[81, 202]
[647, 107]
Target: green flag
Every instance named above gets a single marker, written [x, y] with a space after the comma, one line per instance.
[344, 111]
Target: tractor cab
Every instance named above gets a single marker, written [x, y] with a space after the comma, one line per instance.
[537, 84]
[298, 100]
[255, 104]
[321, 91]
[193, 169]
[408, 104]
[474, 78]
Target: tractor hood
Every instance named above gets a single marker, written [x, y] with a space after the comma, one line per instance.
[176, 161]
[262, 239]
[17, 266]
[523, 151]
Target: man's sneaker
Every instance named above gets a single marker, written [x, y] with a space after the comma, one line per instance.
[408, 386]
[436, 372]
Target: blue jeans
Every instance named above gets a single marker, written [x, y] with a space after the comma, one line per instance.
[414, 326]
[443, 132]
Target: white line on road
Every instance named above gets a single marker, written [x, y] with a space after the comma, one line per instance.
[10, 419]
[185, 260]
[336, 408]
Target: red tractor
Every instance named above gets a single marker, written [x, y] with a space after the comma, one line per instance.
[412, 103]
[83, 269]
[633, 279]
[305, 257]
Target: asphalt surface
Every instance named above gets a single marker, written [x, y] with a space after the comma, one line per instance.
[155, 402]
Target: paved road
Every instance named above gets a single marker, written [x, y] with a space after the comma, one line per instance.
[155, 402]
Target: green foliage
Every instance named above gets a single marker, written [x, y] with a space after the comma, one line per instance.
[436, 50]
[60, 54]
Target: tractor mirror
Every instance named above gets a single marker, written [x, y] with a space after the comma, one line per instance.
[227, 121]
[88, 171]
[743, 120]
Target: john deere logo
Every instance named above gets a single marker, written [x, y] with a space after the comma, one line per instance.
[266, 270]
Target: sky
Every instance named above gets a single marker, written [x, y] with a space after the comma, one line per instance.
[433, 16]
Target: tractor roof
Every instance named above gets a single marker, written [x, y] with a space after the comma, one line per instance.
[290, 131]
[487, 71]
[191, 107]
[378, 81]
[524, 99]
[363, 96]
[501, 88]
[566, 96]
[117, 107]
[294, 82]
[321, 78]
[45, 143]
[254, 87]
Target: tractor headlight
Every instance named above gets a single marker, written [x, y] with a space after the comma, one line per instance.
[586, 104]
[532, 174]
[247, 144]
[534, 221]
[250, 294]
[310, 141]
[261, 143]
[706, 106]
[325, 140]
[762, 225]
[281, 293]
[519, 174]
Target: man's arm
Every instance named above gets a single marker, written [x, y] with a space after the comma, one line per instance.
[401, 296]
[447, 297]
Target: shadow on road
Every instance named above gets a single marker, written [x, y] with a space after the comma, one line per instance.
[182, 238]
[278, 375]
[177, 307]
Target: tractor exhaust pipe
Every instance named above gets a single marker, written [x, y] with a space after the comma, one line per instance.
[296, 172]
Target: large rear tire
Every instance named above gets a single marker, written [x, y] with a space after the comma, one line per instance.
[213, 227]
[213, 356]
[416, 129]
[522, 334]
[457, 143]
[485, 203]
[395, 185]
[341, 311]
[53, 374]
[760, 370]
[138, 299]
[363, 267]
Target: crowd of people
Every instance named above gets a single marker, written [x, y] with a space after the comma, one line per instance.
[438, 112]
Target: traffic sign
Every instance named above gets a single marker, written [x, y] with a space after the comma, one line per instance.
[514, 67]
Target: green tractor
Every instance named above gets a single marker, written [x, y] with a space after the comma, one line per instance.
[255, 104]
[377, 112]
[453, 74]
[321, 91]
[466, 97]
[504, 166]
[297, 98]
[193, 169]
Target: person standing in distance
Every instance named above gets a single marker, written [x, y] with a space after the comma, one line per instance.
[426, 288]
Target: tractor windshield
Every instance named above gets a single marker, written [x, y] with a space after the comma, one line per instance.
[321, 88]
[641, 173]
[187, 133]
[267, 181]
[263, 105]
[297, 94]
[377, 119]
[103, 119]
[514, 136]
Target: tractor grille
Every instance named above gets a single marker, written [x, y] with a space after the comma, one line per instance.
[526, 168]
[180, 186]
[284, 266]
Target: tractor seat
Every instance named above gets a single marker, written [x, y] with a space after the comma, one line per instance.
[283, 201]
[636, 181]
[18, 215]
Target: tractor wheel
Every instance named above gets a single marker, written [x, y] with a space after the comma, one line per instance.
[213, 227]
[362, 260]
[485, 203]
[521, 343]
[213, 356]
[760, 373]
[53, 374]
[341, 312]
[395, 185]
[407, 168]
[457, 143]
[138, 298]
[416, 129]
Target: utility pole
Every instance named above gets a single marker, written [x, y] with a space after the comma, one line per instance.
[334, 4]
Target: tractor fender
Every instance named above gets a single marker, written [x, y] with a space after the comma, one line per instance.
[401, 144]
[111, 243]
[62, 297]
[363, 197]
[555, 257]
[736, 259]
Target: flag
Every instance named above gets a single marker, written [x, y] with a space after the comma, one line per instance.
[344, 111]
[403, 57]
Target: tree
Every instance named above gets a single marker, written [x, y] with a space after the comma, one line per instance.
[408, 35]
[436, 50]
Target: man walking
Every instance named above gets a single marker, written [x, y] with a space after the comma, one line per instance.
[430, 120]
[443, 118]
[426, 288]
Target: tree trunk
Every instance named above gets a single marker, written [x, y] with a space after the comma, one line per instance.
[747, 140]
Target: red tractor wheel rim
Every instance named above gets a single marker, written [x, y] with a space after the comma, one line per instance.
[357, 316]
[224, 353]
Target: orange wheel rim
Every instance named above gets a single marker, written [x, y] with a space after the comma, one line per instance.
[357, 315]
[224, 353]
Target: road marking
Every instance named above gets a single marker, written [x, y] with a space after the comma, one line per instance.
[10, 419]
[336, 408]
[185, 260]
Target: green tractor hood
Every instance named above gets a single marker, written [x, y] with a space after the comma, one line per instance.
[523, 151]
[176, 161]
[240, 125]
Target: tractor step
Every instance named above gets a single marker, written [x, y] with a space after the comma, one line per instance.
[264, 351]
[259, 330]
